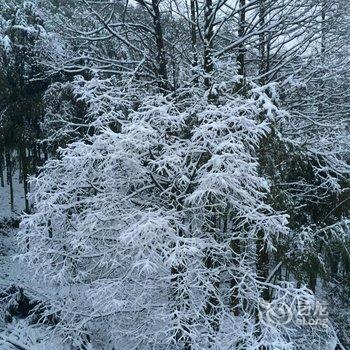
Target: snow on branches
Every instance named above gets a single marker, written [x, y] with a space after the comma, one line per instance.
[156, 222]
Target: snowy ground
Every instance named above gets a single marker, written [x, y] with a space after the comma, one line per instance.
[18, 194]
[19, 334]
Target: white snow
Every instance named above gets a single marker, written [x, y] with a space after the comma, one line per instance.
[18, 193]
[20, 333]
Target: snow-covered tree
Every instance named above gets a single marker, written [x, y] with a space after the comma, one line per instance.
[156, 224]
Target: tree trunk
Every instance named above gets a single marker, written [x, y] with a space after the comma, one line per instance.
[9, 178]
[211, 263]
[262, 262]
[208, 45]
[262, 42]
[241, 48]
[179, 301]
[161, 57]
[321, 105]
[23, 157]
[2, 183]
[194, 40]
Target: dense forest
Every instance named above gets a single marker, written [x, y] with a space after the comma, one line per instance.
[183, 169]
